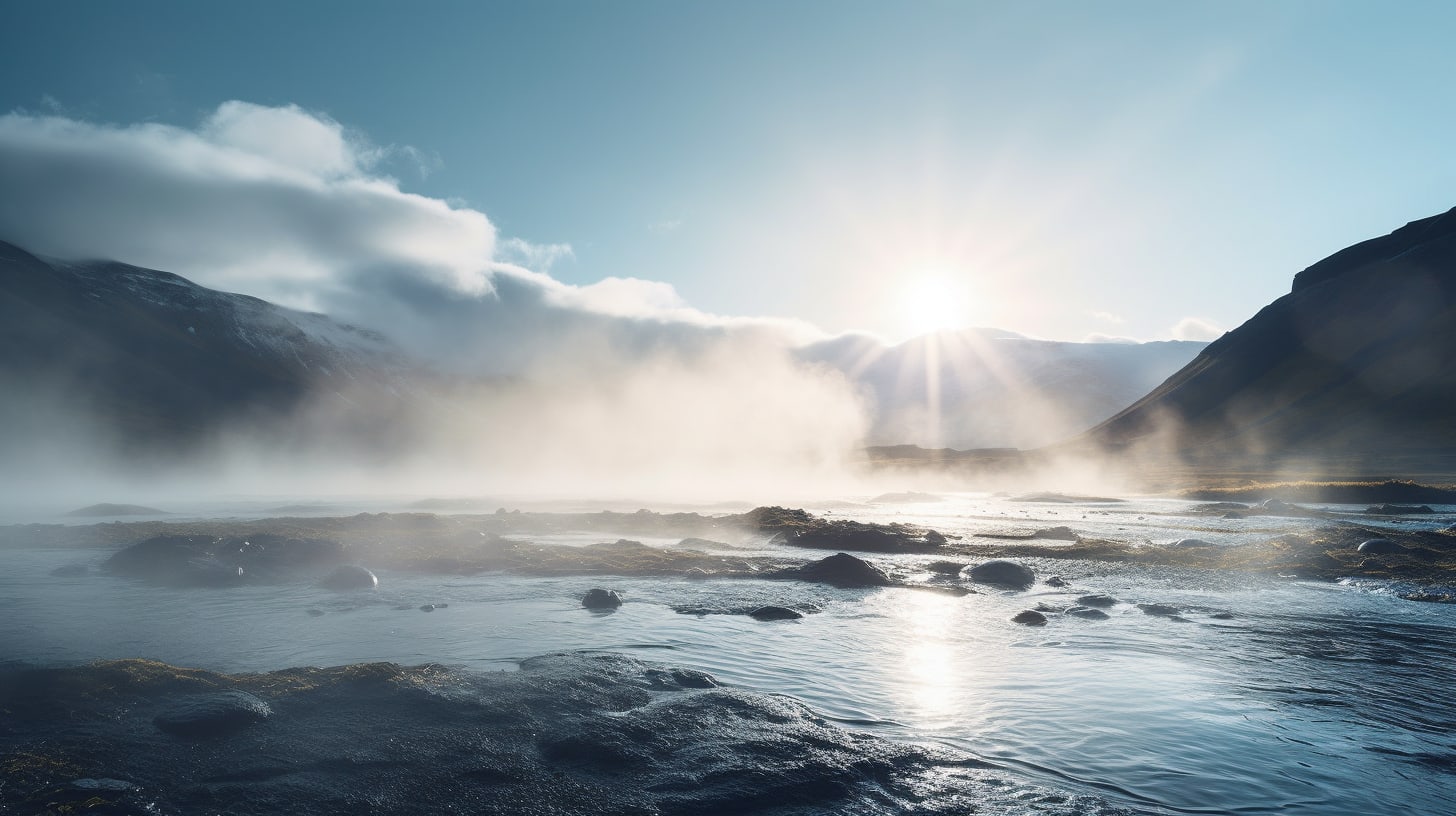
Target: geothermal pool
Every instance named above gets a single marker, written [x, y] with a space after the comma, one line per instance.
[1313, 698]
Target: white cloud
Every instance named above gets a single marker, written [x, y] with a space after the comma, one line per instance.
[273, 202]
[290, 137]
[1109, 317]
[1196, 328]
[535, 257]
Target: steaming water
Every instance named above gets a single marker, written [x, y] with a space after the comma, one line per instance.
[1314, 699]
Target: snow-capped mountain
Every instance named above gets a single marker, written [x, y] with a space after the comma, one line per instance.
[984, 388]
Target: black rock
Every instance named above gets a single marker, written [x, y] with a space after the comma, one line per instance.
[773, 613]
[1222, 505]
[1003, 573]
[1379, 545]
[1029, 617]
[1398, 510]
[601, 599]
[1056, 581]
[349, 576]
[427, 608]
[945, 567]
[1098, 600]
[844, 571]
[212, 715]
[200, 560]
[1057, 534]
[1161, 610]
[1086, 612]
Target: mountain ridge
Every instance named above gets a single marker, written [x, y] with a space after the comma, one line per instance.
[1357, 360]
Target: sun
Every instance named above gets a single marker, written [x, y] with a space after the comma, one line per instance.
[932, 301]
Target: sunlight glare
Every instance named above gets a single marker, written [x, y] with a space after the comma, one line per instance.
[931, 302]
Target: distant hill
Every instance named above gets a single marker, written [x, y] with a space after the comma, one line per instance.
[151, 362]
[981, 388]
[1358, 362]
[156, 360]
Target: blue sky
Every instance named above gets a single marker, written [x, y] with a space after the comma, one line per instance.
[1064, 169]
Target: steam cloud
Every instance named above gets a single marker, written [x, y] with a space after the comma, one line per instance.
[571, 383]
[611, 387]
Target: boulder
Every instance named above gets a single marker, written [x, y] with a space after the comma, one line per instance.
[844, 571]
[601, 599]
[1004, 573]
[1085, 612]
[349, 576]
[1056, 581]
[1029, 617]
[1376, 546]
[945, 567]
[774, 613]
[1099, 600]
[212, 715]
[1160, 610]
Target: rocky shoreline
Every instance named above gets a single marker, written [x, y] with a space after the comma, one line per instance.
[566, 734]
[224, 552]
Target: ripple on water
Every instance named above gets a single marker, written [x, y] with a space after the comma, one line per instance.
[1313, 699]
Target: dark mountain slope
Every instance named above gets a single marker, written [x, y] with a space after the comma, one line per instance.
[1359, 359]
[156, 359]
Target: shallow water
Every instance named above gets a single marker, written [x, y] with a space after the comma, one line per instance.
[1314, 699]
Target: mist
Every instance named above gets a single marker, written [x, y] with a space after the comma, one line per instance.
[427, 360]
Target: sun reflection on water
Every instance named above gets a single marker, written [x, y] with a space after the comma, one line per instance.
[934, 678]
